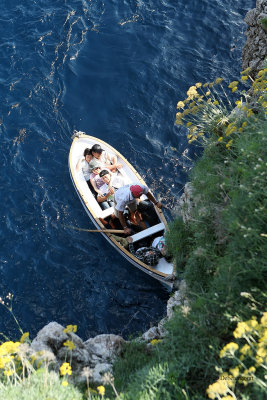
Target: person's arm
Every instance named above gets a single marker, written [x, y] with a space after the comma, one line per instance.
[78, 165]
[114, 162]
[127, 231]
[103, 197]
[154, 201]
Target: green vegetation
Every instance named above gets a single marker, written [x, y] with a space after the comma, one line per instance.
[220, 253]
[263, 22]
[217, 346]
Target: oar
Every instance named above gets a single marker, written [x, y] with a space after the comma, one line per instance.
[96, 230]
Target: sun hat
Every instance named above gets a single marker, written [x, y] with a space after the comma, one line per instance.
[136, 190]
[96, 148]
[93, 164]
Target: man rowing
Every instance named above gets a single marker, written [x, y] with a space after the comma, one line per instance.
[127, 196]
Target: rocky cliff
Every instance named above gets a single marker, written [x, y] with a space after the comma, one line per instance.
[255, 49]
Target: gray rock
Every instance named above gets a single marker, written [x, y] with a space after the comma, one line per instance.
[251, 17]
[104, 348]
[152, 333]
[99, 370]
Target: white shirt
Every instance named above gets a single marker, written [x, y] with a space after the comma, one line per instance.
[105, 159]
[124, 196]
[117, 181]
[85, 169]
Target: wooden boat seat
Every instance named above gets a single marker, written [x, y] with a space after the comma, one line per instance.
[149, 231]
[107, 212]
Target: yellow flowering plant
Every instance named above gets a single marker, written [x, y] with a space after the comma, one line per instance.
[249, 357]
[208, 110]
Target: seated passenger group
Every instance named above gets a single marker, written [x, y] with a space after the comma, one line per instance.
[98, 166]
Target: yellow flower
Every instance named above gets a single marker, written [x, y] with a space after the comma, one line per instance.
[206, 84]
[192, 92]
[247, 70]
[264, 319]
[180, 104]
[244, 124]
[207, 93]
[220, 139]
[211, 84]
[24, 337]
[65, 369]
[261, 352]
[241, 329]
[234, 89]
[70, 328]
[189, 123]
[228, 397]
[244, 350]
[155, 341]
[218, 80]
[9, 347]
[244, 78]
[69, 344]
[4, 360]
[193, 128]
[219, 387]
[198, 84]
[9, 372]
[64, 383]
[234, 372]
[101, 390]
[215, 103]
[228, 349]
[261, 72]
[233, 84]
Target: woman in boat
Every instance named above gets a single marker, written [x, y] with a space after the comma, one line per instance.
[106, 159]
[83, 164]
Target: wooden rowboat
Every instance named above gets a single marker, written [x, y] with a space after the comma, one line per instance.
[163, 271]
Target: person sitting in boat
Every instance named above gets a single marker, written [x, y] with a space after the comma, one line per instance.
[127, 196]
[107, 160]
[83, 164]
[95, 180]
[110, 183]
[112, 179]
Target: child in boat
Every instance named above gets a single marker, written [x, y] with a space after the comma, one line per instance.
[103, 192]
[96, 181]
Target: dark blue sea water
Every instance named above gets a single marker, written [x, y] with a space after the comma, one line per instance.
[114, 69]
